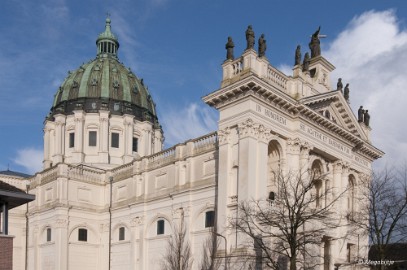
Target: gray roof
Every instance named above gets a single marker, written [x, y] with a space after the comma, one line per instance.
[12, 173]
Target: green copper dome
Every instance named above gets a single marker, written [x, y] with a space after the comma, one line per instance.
[105, 84]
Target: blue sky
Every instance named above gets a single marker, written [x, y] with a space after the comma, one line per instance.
[177, 46]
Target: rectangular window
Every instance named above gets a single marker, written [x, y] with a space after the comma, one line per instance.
[48, 234]
[115, 140]
[121, 233]
[209, 219]
[135, 144]
[71, 140]
[83, 235]
[92, 138]
[160, 227]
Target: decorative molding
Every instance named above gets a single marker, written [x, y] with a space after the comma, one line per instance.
[224, 135]
[61, 223]
[253, 129]
[294, 146]
[137, 221]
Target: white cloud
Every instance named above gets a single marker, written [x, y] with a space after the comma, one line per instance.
[30, 159]
[187, 123]
[371, 55]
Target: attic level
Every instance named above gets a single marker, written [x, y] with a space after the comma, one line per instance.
[311, 75]
[302, 83]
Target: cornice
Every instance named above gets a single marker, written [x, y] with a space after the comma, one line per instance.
[254, 86]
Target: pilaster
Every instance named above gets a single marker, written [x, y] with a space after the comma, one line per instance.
[79, 122]
[128, 138]
[47, 151]
[59, 138]
[104, 136]
[61, 243]
[293, 150]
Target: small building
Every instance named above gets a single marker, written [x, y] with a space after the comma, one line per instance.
[10, 197]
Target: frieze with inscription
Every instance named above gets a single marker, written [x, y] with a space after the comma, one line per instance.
[271, 115]
[335, 144]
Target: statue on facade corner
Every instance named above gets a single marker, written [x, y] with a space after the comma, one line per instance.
[305, 63]
[366, 118]
[229, 49]
[297, 56]
[346, 92]
[262, 46]
[250, 37]
[360, 114]
[339, 85]
[314, 44]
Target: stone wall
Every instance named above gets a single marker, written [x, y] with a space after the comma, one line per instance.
[6, 252]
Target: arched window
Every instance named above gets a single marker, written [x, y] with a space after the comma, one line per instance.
[209, 219]
[160, 226]
[316, 177]
[273, 164]
[49, 235]
[122, 235]
[82, 235]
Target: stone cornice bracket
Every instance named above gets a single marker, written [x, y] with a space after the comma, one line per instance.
[223, 136]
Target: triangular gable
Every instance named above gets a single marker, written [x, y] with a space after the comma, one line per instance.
[333, 106]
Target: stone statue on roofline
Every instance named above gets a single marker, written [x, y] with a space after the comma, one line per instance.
[346, 92]
[339, 85]
[361, 111]
[250, 38]
[305, 63]
[366, 118]
[229, 49]
[297, 56]
[262, 46]
[314, 44]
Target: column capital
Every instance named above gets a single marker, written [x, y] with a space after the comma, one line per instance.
[223, 135]
[249, 128]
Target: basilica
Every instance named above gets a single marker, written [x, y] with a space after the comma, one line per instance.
[110, 197]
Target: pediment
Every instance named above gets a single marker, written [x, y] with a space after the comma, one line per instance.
[335, 108]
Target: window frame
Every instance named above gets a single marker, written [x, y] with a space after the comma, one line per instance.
[49, 235]
[210, 219]
[113, 143]
[122, 233]
[92, 141]
[71, 142]
[134, 146]
[160, 227]
[82, 235]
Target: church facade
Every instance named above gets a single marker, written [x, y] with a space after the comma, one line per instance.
[109, 196]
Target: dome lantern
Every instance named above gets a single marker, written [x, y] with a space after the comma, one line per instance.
[107, 43]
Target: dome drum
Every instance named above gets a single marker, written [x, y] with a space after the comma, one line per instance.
[93, 105]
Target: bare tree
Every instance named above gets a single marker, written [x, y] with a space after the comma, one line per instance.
[210, 257]
[178, 255]
[384, 217]
[290, 226]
